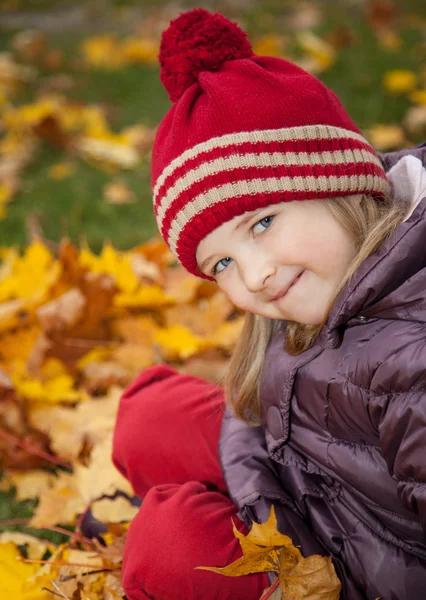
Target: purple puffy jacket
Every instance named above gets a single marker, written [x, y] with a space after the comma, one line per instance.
[342, 447]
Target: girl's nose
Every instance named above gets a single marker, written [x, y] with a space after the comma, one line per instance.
[255, 274]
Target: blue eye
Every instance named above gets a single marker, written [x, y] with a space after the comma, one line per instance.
[261, 221]
[215, 269]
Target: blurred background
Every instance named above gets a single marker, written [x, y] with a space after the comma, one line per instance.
[80, 98]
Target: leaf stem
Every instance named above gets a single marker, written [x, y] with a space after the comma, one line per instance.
[72, 534]
[60, 563]
[68, 577]
[272, 589]
[56, 586]
[7, 522]
[45, 589]
[33, 449]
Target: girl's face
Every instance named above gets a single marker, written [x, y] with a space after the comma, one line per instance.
[255, 257]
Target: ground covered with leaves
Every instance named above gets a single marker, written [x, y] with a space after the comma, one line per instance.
[90, 296]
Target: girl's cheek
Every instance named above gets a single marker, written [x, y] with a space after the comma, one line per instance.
[233, 293]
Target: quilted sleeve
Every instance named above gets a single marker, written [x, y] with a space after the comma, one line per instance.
[400, 417]
[254, 485]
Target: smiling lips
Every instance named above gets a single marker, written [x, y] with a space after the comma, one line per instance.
[285, 290]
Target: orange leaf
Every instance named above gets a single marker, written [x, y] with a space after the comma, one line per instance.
[265, 549]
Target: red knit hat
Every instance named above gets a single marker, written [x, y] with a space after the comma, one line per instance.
[245, 131]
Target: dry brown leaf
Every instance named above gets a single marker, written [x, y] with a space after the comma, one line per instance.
[31, 484]
[100, 478]
[98, 377]
[62, 313]
[91, 327]
[29, 45]
[72, 580]
[6, 385]
[382, 14]
[265, 549]
[115, 540]
[135, 329]
[181, 285]
[156, 251]
[203, 319]
[146, 271]
[60, 504]
[134, 358]
[69, 429]
[415, 120]
[113, 590]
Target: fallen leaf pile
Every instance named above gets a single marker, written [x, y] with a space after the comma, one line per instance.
[75, 329]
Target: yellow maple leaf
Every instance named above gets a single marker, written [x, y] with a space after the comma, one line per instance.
[61, 170]
[58, 385]
[318, 49]
[95, 355]
[147, 296]
[111, 262]
[265, 549]
[36, 548]
[385, 137]
[116, 152]
[400, 81]
[8, 257]
[17, 345]
[102, 51]
[12, 314]
[270, 45]
[179, 342]
[140, 50]
[14, 576]
[19, 119]
[418, 97]
[45, 271]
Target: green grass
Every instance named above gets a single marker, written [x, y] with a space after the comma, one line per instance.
[10, 509]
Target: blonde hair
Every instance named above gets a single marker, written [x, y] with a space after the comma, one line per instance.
[370, 222]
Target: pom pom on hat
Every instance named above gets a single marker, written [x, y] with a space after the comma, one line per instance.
[198, 41]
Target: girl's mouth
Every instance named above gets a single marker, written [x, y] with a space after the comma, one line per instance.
[293, 283]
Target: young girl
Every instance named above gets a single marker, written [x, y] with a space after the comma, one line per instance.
[263, 184]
